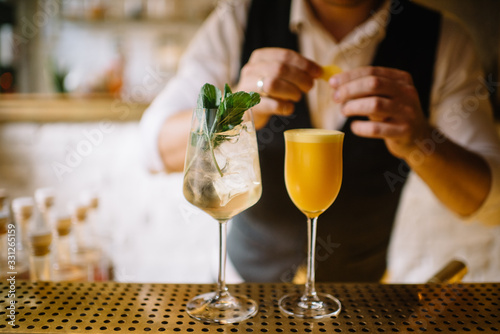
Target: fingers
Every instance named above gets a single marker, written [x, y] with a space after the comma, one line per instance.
[376, 108]
[390, 101]
[281, 76]
[269, 107]
[275, 86]
[370, 81]
[369, 86]
[383, 130]
[277, 75]
[285, 73]
[371, 71]
[286, 56]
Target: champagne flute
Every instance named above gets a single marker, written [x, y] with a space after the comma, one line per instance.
[313, 175]
[222, 178]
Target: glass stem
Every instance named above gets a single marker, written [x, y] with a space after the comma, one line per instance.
[221, 282]
[310, 290]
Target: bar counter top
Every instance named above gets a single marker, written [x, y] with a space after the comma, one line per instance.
[64, 307]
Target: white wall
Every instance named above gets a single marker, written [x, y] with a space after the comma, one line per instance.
[155, 234]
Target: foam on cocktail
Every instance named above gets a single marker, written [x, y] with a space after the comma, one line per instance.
[314, 136]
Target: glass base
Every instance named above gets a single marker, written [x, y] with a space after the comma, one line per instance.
[223, 310]
[321, 307]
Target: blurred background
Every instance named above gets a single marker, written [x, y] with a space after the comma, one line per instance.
[75, 77]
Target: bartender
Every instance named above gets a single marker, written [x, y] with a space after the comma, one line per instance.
[401, 100]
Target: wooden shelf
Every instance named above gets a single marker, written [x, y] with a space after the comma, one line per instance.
[67, 108]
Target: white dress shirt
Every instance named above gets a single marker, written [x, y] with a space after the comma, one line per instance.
[459, 104]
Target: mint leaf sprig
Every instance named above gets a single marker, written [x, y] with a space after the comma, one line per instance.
[230, 109]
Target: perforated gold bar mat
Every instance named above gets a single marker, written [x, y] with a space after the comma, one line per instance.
[126, 308]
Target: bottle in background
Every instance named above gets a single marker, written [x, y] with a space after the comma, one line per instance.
[4, 222]
[4, 247]
[22, 208]
[85, 246]
[40, 240]
[66, 267]
[3, 199]
[19, 212]
[45, 201]
[12, 259]
[101, 235]
[81, 227]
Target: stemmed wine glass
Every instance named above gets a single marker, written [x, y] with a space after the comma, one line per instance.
[222, 177]
[313, 175]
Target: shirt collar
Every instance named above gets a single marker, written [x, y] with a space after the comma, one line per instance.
[300, 14]
[375, 27]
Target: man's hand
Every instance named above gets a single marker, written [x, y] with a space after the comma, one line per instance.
[285, 76]
[390, 101]
[461, 179]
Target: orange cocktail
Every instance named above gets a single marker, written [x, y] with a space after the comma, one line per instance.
[313, 168]
[313, 175]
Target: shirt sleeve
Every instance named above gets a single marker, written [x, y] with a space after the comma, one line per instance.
[212, 56]
[461, 109]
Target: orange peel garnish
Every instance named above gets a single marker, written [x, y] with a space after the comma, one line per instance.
[329, 71]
